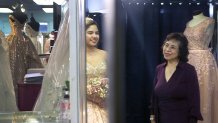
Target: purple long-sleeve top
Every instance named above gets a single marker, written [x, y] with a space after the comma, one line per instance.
[178, 100]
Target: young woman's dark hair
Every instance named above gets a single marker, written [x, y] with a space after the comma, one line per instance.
[183, 45]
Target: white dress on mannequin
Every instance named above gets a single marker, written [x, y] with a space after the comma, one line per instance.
[199, 33]
[31, 29]
[33, 36]
[7, 95]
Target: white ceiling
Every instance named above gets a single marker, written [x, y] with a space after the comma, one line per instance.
[29, 5]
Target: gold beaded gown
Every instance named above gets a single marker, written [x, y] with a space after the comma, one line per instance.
[22, 53]
[205, 64]
[97, 87]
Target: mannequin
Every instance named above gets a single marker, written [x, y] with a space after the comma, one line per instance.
[197, 18]
[32, 30]
[22, 53]
[199, 32]
[8, 102]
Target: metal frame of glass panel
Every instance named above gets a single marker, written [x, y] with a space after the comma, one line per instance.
[77, 61]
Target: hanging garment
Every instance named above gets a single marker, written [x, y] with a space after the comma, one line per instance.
[7, 94]
[57, 71]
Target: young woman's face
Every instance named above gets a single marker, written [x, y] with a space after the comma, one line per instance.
[171, 50]
[92, 36]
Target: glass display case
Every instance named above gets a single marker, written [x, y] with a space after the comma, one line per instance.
[32, 117]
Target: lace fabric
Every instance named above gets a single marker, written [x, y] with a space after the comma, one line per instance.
[57, 71]
[7, 95]
[204, 62]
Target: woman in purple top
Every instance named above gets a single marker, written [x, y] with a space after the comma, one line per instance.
[176, 91]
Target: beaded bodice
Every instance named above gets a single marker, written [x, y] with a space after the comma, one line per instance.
[198, 35]
[97, 83]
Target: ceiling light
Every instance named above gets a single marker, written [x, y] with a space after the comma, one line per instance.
[59, 2]
[44, 2]
[49, 2]
[5, 10]
[48, 10]
[23, 10]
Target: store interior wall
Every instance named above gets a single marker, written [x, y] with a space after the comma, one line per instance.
[39, 16]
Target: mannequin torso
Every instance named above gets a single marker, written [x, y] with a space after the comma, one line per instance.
[197, 19]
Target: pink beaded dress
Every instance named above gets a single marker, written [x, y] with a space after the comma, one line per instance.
[200, 56]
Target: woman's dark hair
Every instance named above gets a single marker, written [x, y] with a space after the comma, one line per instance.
[89, 22]
[183, 45]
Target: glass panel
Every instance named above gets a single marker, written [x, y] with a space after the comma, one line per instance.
[96, 63]
[30, 117]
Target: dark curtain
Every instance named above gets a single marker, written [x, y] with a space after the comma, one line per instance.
[142, 54]
[146, 28]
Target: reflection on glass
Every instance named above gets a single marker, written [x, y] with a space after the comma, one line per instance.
[97, 81]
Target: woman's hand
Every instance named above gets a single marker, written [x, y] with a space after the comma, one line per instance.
[152, 119]
[104, 82]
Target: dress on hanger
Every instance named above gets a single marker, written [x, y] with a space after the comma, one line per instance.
[96, 91]
[205, 64]
[7, 95]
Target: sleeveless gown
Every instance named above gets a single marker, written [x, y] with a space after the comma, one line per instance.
[96, 93]
[205, 64]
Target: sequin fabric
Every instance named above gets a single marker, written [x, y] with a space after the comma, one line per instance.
[22, 56]
[56, 72]
[205, 64]
[97, 87]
